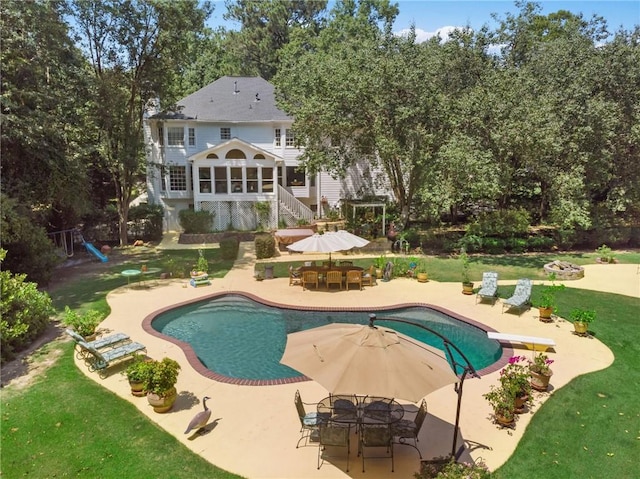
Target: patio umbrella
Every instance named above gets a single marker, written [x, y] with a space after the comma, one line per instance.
[328, 242]
[378, 361]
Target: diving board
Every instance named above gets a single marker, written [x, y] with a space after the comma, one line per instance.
[531, 342]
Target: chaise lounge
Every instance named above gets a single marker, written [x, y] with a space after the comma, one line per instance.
[113, 340]
[101, 360]
[521, 296]
[489, 288]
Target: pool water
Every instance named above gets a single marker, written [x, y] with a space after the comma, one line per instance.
[240, 338]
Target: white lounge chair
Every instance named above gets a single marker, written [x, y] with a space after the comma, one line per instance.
[531, 342]
[101, 360]
[489, 288]
[521, 296]
[113, 340]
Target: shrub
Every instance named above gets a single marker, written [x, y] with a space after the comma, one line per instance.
[440, 468]
[84, 324]
[493, 245]
[471, 243]
[516, 245]
[265, 246]
[229, 248]
[501, 223]
[202, 264]
[147, 221]
[540, 243]
[196, 222]
[25, 312]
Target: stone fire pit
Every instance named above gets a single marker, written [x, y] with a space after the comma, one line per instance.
[564, 270]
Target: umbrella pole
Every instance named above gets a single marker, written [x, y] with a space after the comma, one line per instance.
[456, 428]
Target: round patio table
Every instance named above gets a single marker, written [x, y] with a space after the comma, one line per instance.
[129, 273]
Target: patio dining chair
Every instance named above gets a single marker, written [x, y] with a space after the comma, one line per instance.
[407, 429]
[309, 278]
[332, 434]
[488, 288]
[369, 278]
[376, 435]
[354, 277]
[334, 277]
[309, 421]
[295, 277]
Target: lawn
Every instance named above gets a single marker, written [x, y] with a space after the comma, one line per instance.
[65, 424]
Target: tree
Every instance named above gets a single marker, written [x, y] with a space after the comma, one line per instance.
[265, 27]
[44, 92]
[137, 49]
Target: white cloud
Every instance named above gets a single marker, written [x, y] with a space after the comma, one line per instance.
[423, 36]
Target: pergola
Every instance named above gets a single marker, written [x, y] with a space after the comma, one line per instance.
[356, 205]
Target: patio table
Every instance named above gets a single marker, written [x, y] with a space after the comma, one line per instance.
[131, 273]
[383, 411]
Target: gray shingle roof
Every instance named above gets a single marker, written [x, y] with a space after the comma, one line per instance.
[231, 99]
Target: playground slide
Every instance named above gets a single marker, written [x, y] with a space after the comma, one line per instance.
[94, 251]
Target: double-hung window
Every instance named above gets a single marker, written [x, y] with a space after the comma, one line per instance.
[290, 139]
[278, 137]
[192, 137]
[175, 136]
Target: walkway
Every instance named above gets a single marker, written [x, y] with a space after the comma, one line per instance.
[255, 428]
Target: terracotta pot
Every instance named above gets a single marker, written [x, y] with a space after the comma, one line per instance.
[505, 421]
[545, 314]
[422, 277]
[137, 388]
[162, 404]
[521, 401]
[467, 288]
[539, 382]
[581, 328]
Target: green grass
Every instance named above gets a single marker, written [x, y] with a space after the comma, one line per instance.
[66, 424]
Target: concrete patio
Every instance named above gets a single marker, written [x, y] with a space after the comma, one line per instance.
[254, 429]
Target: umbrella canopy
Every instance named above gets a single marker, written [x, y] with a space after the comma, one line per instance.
[352, 358]
[328, 242]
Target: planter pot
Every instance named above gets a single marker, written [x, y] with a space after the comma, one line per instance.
[422, 277]
[162, 404]
[137, 388]
[467, 288]
[504, 421]
[545, 314]
[379, 273]
[521, 402]
[581, 328]
[539, 382]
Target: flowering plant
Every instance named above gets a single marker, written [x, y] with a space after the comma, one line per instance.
[502, 400]
[442, 469]
[514, 377]
[540, 364]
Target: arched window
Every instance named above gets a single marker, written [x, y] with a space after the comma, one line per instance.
[259, 156]
[235, 154]
[212, 156]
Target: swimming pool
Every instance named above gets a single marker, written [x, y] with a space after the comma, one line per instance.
[237, 337]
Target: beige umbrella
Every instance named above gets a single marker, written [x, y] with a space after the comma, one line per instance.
[328, 242]
[377, 361]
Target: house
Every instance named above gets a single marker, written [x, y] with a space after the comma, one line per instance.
[227, 147]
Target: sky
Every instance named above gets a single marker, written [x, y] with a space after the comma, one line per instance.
[433, 16]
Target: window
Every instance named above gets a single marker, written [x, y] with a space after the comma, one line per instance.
[278, 137]
[161, 136]
[290, 139]
[295, 176]
[175, 136]
[220, 173]
[252, 180]
[178, 178]
[225, 133]
[192, 137]
[205, 179]
[267, 180]
[212, 156]
[236, 179]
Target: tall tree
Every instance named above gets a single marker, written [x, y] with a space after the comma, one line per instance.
[44, 91]
[137, 50]
[265, 27]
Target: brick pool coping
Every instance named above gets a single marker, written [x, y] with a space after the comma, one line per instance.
[195, 363]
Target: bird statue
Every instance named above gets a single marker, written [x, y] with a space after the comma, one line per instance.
[201, 419]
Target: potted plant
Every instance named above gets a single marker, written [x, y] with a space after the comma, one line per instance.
[540, 372]
[447, 467]
[547, 303]
[581, 318]
[380, 262]
[467, 285]
[84, 324]
[514, 378]
[159, 382]
[421, 273]
[202, 266]
[136, 373]
[503, 403]
[605, 255]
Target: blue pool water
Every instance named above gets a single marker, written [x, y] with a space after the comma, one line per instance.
[240, 338]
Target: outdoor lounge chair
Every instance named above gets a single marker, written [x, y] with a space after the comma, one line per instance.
[521, 296]
[101, 360]
[113, 340]
[489, 287]
[408, 429]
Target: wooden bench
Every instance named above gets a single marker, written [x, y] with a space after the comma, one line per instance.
[531, 342]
